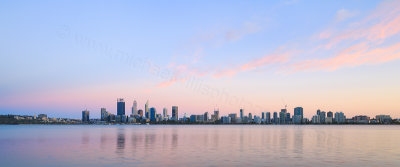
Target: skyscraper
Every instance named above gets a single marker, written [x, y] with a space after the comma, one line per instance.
[298, 115]
[282, 116]
[120, 106]
[140, 112]
[267, 117]
[134, 108]
[329, 117]
[241, 113]
[146, 109]
[250, 117]
[276, 120]
[153, 114]
[205, 116]
[322, 117]
[233, 117]
[288, 120]
[175, 113]
[216, 114]
[103, 114]
[165, 112]
[85, 116]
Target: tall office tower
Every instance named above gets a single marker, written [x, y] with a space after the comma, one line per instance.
[322, 117]
[276, 120]
[85, 116]
[153, 114]
[146, 109]
[282, 116]
[165, 112]
[120, 106]
[267, 117]
[216, 114]
[329, 114]
[250, 117]
[288, 120]
[103, 114]
[318, 112]
[134, 108]
[175, 114]
[340, 118]
[206, 116]
[140, 112]
[233, 117]
[263, 115]
[298, 115]
[329, 117]
[241, 113]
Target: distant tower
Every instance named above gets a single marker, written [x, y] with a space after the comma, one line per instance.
[85, 116]
[298, 115]
[175, 113]
[241, 113]
[146, 109]
[153, 114]
[134, 108]
[276, 119]
[216, 114]
[140, 112]
[165, 112]
[103, 114]
[120, 106]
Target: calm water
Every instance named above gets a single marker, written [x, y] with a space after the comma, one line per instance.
[198, 145]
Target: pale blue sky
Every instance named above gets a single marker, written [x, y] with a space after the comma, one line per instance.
[47, 64]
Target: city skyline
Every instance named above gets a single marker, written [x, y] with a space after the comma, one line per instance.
[60, 58]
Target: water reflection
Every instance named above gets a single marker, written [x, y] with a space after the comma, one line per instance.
[120, 141]
[218, 146]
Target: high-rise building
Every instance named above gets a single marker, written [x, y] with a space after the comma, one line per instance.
[298, 115]
[120, 106]
[282, 116]
[263, 115]
[226, 120]
[85, 116]
[233, 117]
[134, 108]
[329, 117]
[216, 114]
[140, 112]
[146, 109]
[288, 120]
[383, 119]
[241, 113]
[175, 114]
[250, 117]
[153, 114]
[267, 117]
[205, 116]
[276, 120]
[322, 117]
[340, 118]
[329, 114]
[165, 112]
[103, 114]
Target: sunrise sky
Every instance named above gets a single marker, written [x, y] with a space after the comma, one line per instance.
[64, 56]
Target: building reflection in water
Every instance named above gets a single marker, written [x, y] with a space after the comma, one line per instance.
[120, 140]
[174, 139]
[298, 142]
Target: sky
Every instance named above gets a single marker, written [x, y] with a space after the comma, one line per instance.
[61, 57]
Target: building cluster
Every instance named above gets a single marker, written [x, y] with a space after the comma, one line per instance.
[39, 119]
[150, 115]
